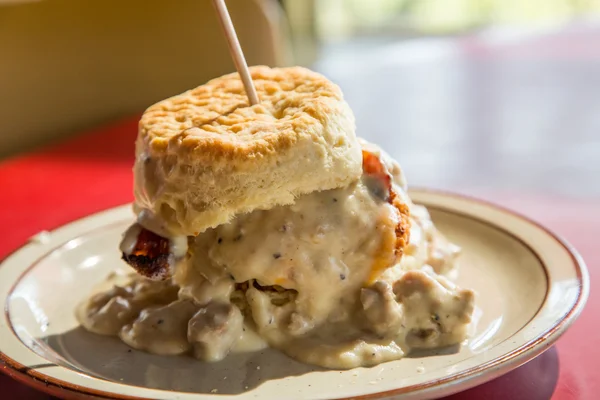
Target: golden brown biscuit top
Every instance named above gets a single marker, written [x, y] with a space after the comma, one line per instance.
[214, 121]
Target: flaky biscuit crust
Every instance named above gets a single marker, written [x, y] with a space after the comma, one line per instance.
[206, 155]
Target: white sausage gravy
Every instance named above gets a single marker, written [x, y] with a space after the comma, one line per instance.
[306, 279]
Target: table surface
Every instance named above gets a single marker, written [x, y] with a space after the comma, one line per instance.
[514, 122]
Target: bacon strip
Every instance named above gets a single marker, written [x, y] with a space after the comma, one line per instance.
[151, 256]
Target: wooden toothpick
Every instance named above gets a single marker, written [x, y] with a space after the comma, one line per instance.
[236, 50]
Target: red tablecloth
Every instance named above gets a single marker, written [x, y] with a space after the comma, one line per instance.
[46, 189]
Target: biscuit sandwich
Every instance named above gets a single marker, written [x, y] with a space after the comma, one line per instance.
[274, 224]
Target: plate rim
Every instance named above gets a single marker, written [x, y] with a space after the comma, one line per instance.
[470, 377]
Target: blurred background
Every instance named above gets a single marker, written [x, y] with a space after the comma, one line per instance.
[469, 94]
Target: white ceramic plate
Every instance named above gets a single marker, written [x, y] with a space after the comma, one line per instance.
[531, 286]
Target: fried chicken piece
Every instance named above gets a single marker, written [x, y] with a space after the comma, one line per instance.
[383, 187]
[151, 256]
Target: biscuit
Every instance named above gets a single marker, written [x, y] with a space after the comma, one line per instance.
[206, 155]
